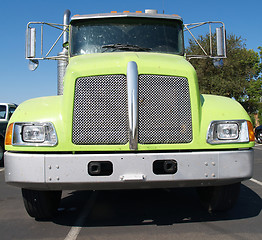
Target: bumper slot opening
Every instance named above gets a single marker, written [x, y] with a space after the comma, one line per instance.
[164, 167]
[100, 168]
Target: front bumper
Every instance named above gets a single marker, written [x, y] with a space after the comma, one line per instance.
[130, 170]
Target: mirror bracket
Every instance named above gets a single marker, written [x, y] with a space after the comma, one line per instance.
[220, 42]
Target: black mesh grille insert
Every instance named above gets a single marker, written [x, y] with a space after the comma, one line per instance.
[100, 110]
[164, 110]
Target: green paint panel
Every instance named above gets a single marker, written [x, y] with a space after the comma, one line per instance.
[59, 109]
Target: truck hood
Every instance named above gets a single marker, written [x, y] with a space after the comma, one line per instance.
[112, 63]
[82, 95]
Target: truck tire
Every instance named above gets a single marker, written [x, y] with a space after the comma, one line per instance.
[219, 198]
[259, 137]
[1, 154]
[41, 205]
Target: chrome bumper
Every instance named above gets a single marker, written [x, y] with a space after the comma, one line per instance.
[130, 170]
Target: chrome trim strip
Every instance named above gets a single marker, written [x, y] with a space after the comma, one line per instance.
[132, 91]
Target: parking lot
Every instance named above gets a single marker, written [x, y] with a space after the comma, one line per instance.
[136, 214]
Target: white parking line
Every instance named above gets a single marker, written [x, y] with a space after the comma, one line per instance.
[74, 231]
[256, 181]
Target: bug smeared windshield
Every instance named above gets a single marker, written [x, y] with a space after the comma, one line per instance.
[126, 34]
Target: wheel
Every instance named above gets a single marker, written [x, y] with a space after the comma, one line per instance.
[259, 137]
[219, 198]
[1, 154]
[41, 204]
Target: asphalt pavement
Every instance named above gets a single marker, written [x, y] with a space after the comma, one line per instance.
[136, 214]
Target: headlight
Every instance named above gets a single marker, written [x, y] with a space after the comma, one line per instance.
[33, 134]
[227, 131]
[235, 131]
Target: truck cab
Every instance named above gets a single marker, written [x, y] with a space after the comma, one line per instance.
[128, 115]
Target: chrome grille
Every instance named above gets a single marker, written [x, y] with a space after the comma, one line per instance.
[100, 114]
[164, 110]
[100, 110]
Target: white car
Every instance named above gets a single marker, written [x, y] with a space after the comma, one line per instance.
[6, 111]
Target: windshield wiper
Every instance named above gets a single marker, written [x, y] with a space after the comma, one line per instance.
[126, 47]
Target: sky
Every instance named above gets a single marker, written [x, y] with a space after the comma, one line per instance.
[18, 84]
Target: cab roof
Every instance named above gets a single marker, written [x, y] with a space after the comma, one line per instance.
[126, 14]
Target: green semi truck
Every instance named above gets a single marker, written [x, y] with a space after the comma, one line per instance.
[128, 115]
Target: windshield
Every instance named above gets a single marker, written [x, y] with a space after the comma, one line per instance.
[2, 111]
[126, 34]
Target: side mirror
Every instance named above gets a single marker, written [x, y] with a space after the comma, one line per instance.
[33, 64]
[218, 62]
[207, 51]
[31, 41]
[220, 42]
[36, 51]
[31, 46]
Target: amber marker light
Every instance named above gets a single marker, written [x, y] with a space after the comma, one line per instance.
[8, 135]
[251, 131]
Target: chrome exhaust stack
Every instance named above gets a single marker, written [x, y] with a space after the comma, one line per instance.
[63, 62]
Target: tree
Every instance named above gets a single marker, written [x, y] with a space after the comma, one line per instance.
[253, 91]
[238, 78]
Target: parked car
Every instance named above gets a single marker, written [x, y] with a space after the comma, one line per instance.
[6, 111]
[258, 134]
